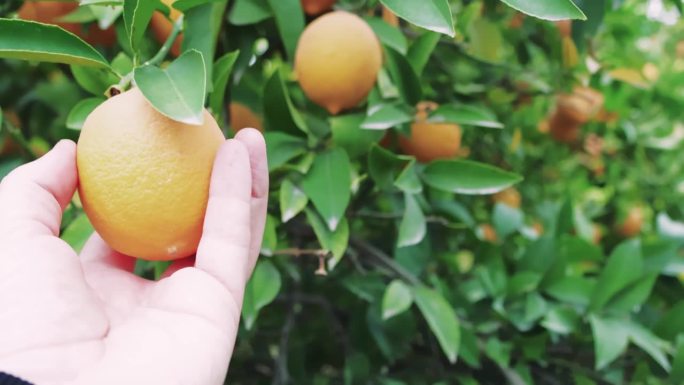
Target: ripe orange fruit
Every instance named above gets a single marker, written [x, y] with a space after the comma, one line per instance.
[431, 141]
[598, 234]
[337, 60]
[389, 17]
[510, 197]
[49, 11]
[572, 111]
[487, 233]
[633, 222]
[162, 27]
[242, 117]
[144, 178]
[316, 7]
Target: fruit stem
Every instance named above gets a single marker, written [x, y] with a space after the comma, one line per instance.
[164, 50]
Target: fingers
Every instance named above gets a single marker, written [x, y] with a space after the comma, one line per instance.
[256, 146]
[97, 252]
[33, 196]
[223, 251]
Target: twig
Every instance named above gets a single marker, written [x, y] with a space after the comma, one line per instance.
[164, 50]
[18, 137]
[294, 252]
[282, 375]
[384, 259]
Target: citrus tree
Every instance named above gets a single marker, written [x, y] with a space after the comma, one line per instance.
[462, 191]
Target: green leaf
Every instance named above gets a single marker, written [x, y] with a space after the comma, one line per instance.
[202, 26]
[610, 339]
[560, 320]
[486, 41]
[292, 200]
[281, 148]
[137, 15]
[178, 91]
[413, 226]
[47, 43]
[548, 9]
[269, 243]
[396, 300]
[290, 21]
[403, 75]
[574, 290]
[408, 180]
[247, 12]
[468, 177]
[670, 324]
[94, 80]
[420, 51]
[78, 232]
[649, 343]
[80, 112]
[388, 35]
[623, 267]
[677, 373]
[465, 115]
[186, 5]
[384, 166]
[633, 296]
[333, 241]
[506, 219]
[385, 116]
[222, 69]
[348, 134]
[122, 64]
[260, 291]
[279, 112]
[433, 15]
[441, 318]
[328, 185]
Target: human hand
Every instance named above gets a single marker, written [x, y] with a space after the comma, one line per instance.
[90, 320]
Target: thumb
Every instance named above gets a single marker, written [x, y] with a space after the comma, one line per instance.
[33, 196]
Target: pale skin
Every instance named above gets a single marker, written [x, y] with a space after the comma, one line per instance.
[87, 319]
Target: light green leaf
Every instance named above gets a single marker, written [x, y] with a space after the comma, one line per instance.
[281, 148]
[507, 219]
[413, 226]
[269, 243]
[384, 166]
[348, 134]
[441, 318]
[408, 180]
[610, 339]
[420, 51]
[623, 267]
[247, 12]
[185, 5]
[94, 80]
[292, 200]
[649, 343]
[47, 43]
[434, 15]
[465, 115]
[290, 21]
[78, 232]
[222, 69]
[397, 299]
[202, 25]
[261, 290]
[335, 242]
[468, 177]
[384, 116]
[560, 320]
[178, 91]
[548, 9]
[328, 185]
[388, 35]
[80, 112]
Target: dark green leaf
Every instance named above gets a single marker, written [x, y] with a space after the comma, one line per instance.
[80, 112]
[185, 5]
[78, 232]
[348, 134]
[221, 75]
[282, 147]
[506, 219]
[388, 35]
[548, 9]
[328, 185]
[279, 112]
[649, 343]
[384, 166]
[247, 12]
[202, 26]
[434, 15]
[403, 75]
[420, 51]
[137, 15]
[290, 21]
[624, 266]
[413, 226]
[610, 339]
[468, 177]
[261, 290]
[397, 299]
[670, 324]
[466, 115]
[48, 43]
[178, 91]
[441, 318]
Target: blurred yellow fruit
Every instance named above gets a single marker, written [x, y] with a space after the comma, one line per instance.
[144, 178]
[161, 27]
[632, 223]
[431, 141]
[242, 116]
[510, 197]
[316, 7]
[337, 60]
[487, 233]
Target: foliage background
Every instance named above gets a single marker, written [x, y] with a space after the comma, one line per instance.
[405, 289]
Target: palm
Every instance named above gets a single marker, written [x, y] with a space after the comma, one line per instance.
[91, 320]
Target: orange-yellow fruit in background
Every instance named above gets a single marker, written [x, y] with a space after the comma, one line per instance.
[510, 197]
[162, 27]
[49, 11]
[634, 221]
[144, 178]
[316, 7]
[431, 141]
[337, 60]
[517, 21]
[389, 17]
[572, 111]
[564, 27]
[598, 234]
[487, 232]
[242, 116]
